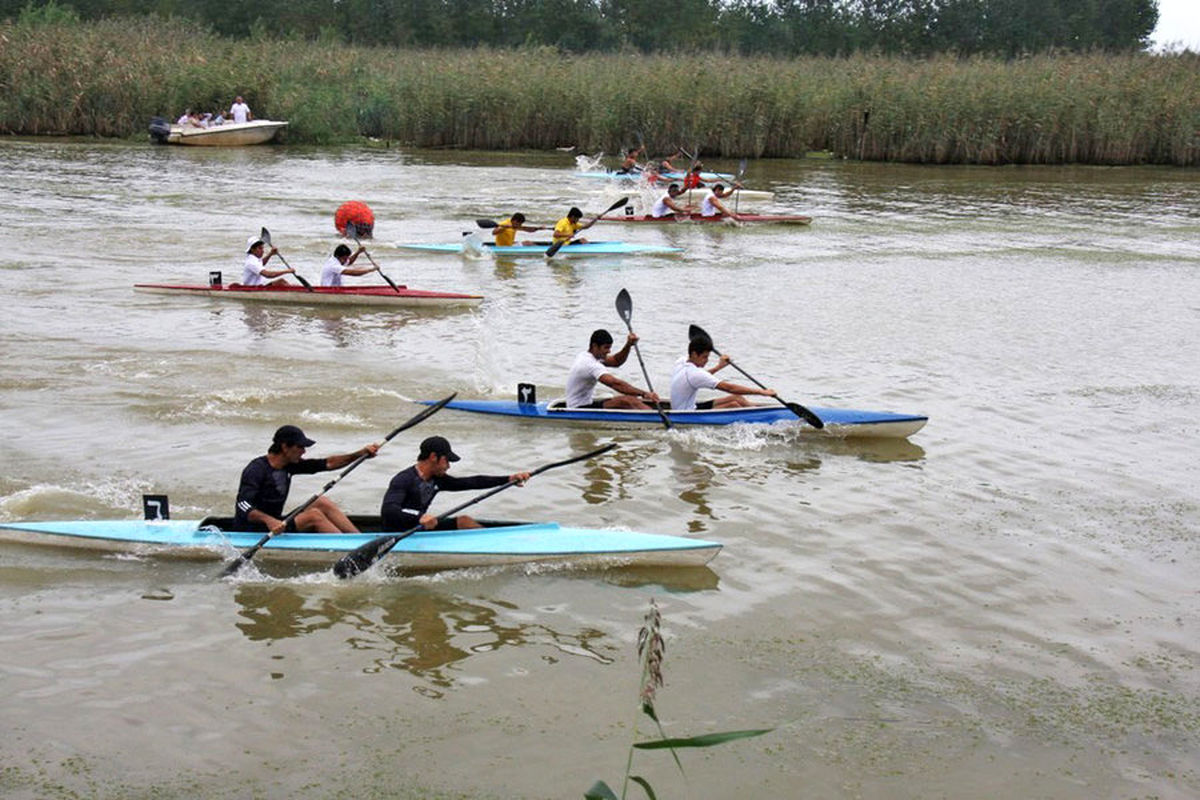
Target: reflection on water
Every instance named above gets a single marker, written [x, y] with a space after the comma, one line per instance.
[408, 627]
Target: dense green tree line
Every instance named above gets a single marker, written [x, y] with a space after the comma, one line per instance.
[767, 27]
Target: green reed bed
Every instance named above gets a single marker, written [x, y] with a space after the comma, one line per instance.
[60, 76]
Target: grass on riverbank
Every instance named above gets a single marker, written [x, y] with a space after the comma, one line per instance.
[107, 78]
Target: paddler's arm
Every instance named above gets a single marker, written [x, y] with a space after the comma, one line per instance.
[618, 358]
[337, 462]
[618, 385]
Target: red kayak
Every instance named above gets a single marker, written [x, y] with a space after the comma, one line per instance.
[786, 219]
[319, 295]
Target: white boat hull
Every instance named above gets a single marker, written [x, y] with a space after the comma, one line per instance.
[231, 134]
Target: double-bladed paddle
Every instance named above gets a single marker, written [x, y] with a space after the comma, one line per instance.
[554, 248]
[362, 558]
[247, 554]
[625, 309]
[797, 409]
[265, 235]
[353, 234]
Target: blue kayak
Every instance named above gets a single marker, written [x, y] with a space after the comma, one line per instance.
[839, 422]
[539, 250]
[505, 543]
[707, 177]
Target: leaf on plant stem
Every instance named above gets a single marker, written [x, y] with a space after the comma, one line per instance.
[705, 740]
[648, 710]
[645, 784]
[600, 791]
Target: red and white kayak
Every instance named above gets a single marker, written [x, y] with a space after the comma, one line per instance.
[401, 297]
[783, 219]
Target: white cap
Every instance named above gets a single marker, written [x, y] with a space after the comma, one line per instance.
[251, 241]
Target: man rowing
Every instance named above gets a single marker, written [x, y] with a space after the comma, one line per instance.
[629, 164]
[254, 268]
[690, 376]
[591, 367]
[267, 479]
[566, 228]
[411, 491]
[711, 205]
[505, 233]
[668, 206]
[340, 264]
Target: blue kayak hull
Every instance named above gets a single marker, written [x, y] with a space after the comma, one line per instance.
[539, 251]
[839, 422]
[507, 544]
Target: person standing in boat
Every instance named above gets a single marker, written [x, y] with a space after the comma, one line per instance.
[339, 264]
[566, 228]
[690, 376]
[668, 206]
[410, 493]
[591, 367]
[240, 111]
[254, 271]
[711, 205]
[266, 480]
[505, 233]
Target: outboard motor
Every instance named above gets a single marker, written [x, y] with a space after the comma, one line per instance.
[160, 129]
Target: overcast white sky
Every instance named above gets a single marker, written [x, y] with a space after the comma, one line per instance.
[1178, 21]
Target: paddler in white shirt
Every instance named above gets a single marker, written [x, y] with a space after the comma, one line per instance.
[668, 206]
[690, 376]
[591, 367]
[711, 205]
[254, 271]
[339, 263]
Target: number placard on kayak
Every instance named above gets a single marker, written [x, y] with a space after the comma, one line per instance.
[155, 507]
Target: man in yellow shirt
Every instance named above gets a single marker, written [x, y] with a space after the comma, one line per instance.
[566, 228]
[505, 233]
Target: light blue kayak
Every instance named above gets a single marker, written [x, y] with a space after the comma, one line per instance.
[539, 250]
[839, 422]
[662, 176]
[506, 543]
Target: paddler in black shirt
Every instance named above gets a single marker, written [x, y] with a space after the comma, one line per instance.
[267, 479]
[412, 490]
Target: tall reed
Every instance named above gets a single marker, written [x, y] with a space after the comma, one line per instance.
[107, 78]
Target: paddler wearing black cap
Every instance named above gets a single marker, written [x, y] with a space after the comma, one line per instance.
[266, 480]
[254, 268]
[406, 503]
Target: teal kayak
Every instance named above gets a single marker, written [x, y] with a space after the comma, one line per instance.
[530, 251]
[498, 544]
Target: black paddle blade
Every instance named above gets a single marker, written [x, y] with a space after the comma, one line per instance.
[806, 415]
[265, 235]
[361, 559]
[694, 331]
[625, 306]
[487, 223]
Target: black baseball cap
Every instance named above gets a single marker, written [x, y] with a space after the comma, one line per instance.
[290, 434]
[439, 445]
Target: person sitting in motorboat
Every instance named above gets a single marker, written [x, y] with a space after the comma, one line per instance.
[505, 234]
[591, 367]
[668, 206]
[240, 111]
[265, 482]
[254, 271]
[711, 205]
[219, 119]
[566, 228]
[690, 376]
[339, 265]
[411, 491]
